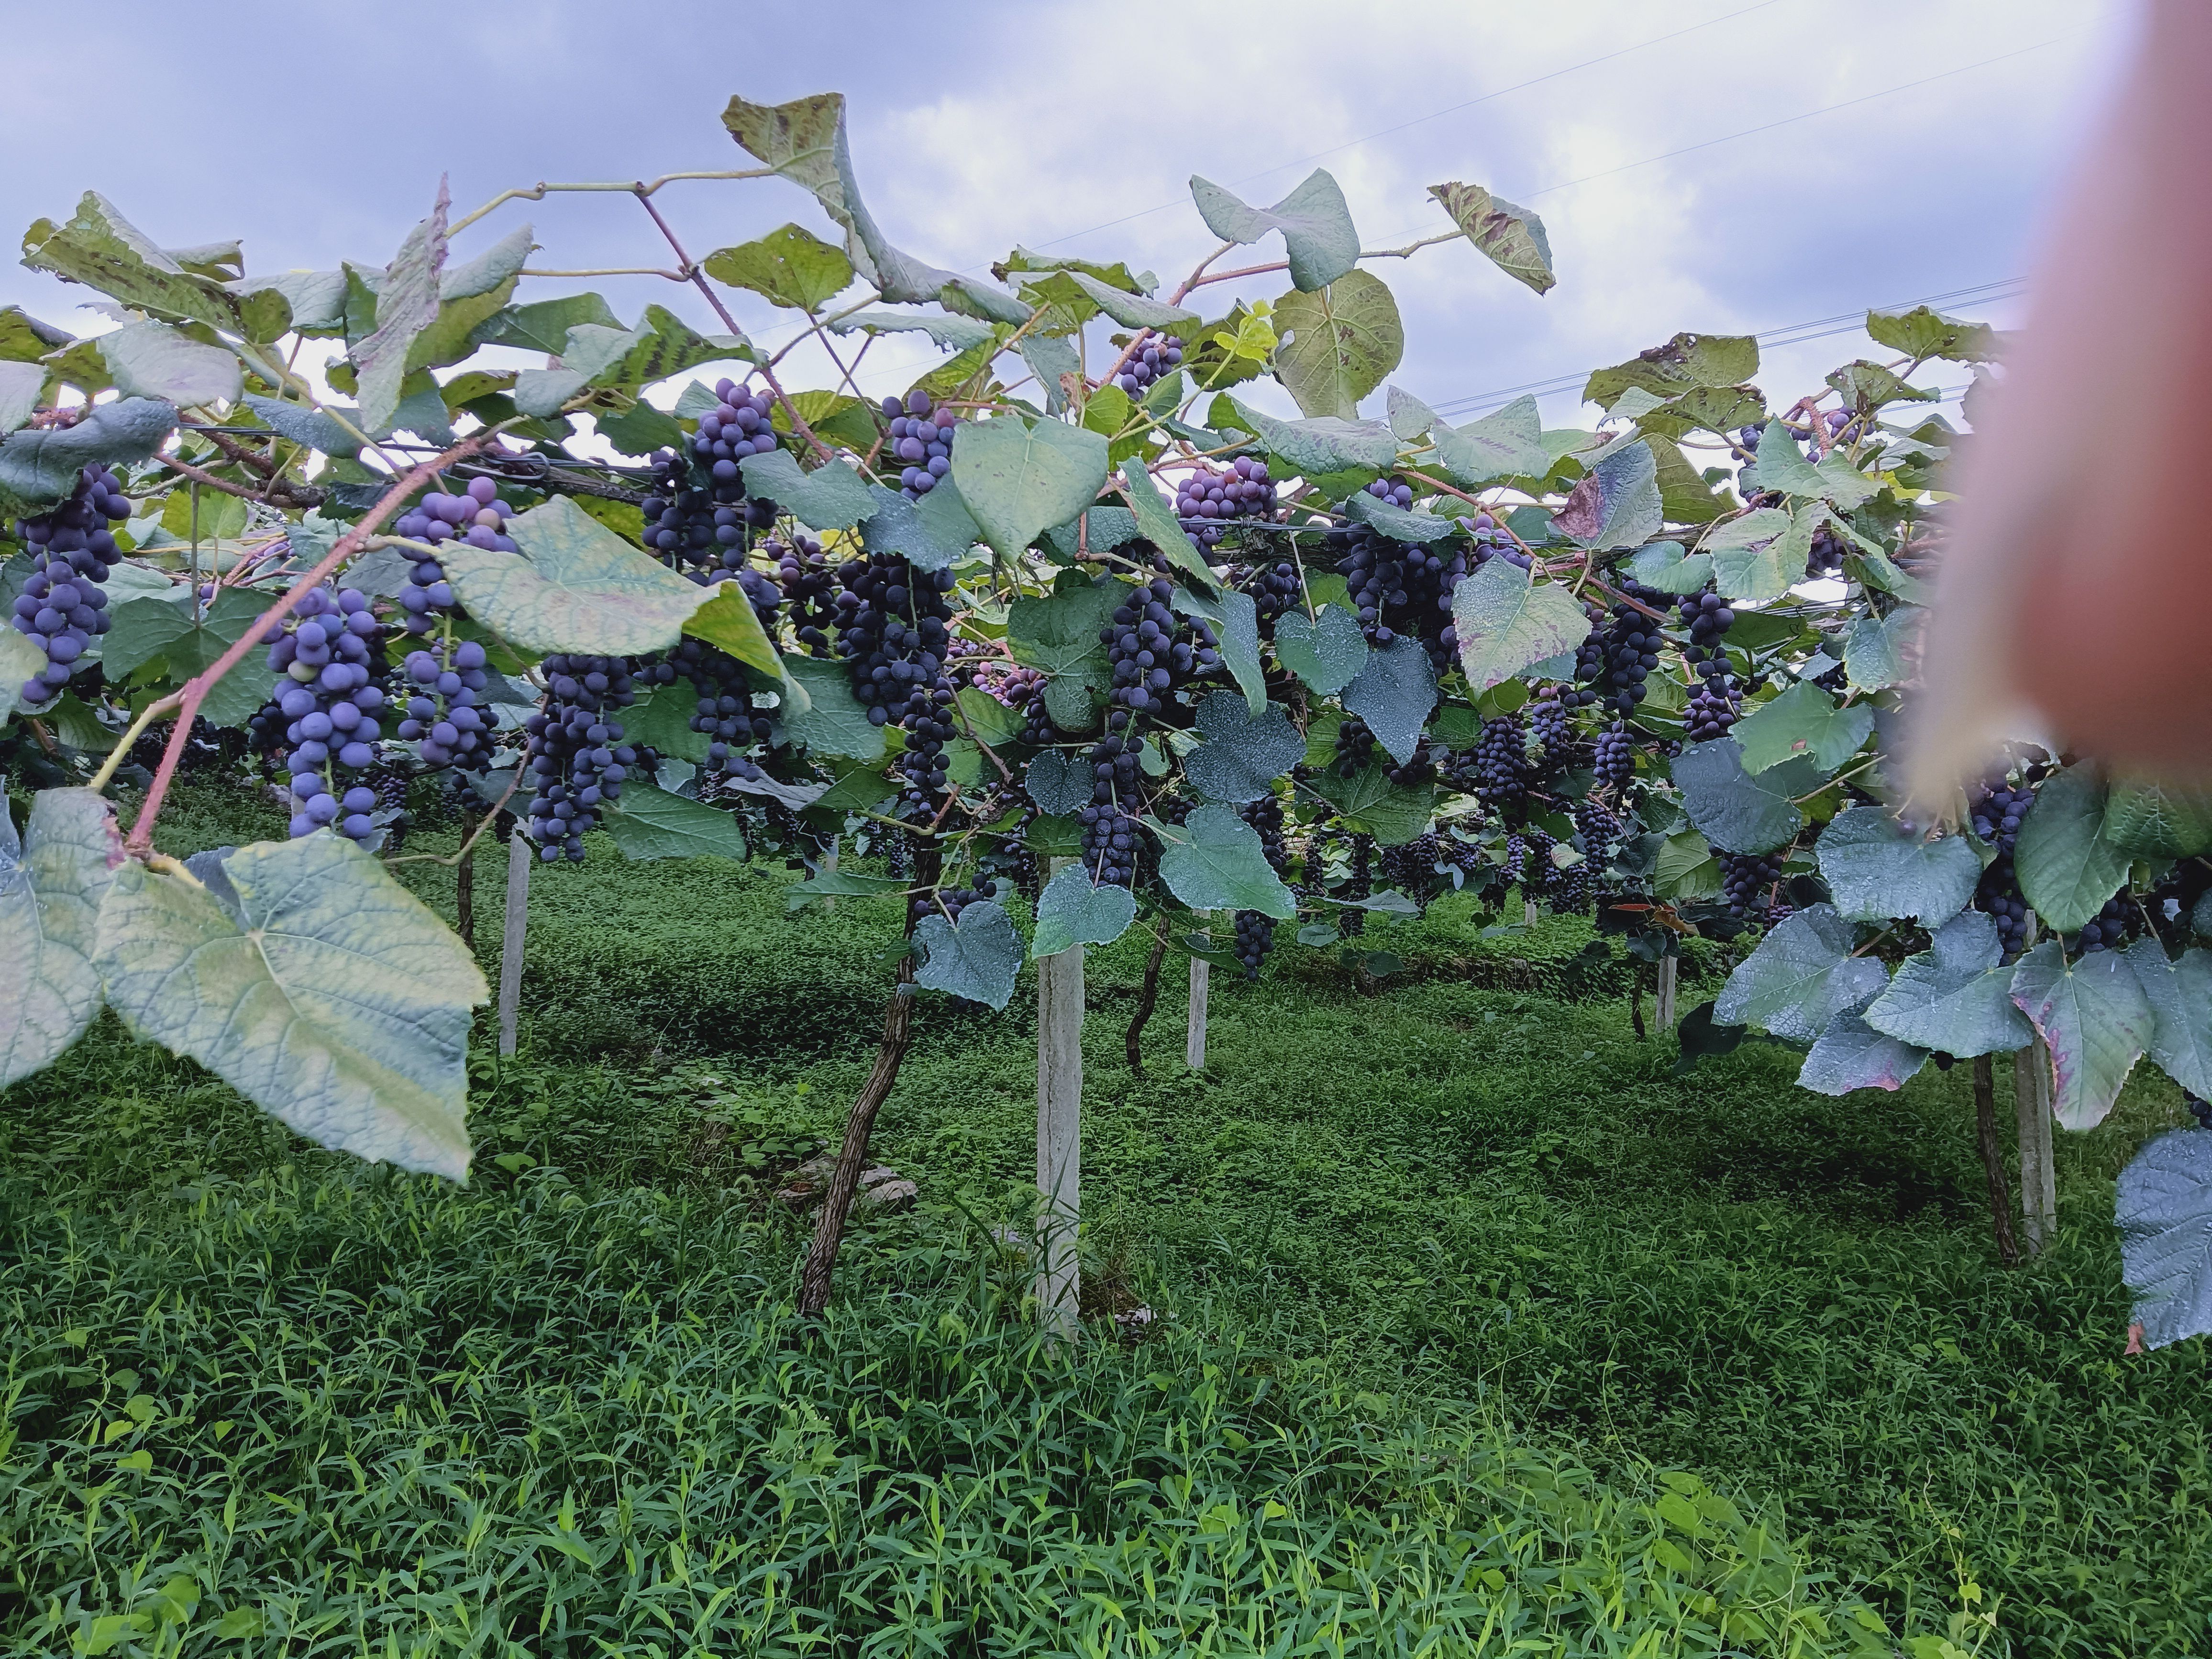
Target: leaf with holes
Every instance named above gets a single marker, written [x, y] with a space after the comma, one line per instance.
[1339, 343]
[1394, 695]
[1877, 871]
[104, 251]
[1923, 333]
[1507, 620]
[2180, 998]
[647, 823]
[1801, 977]
[1852, 1055]
[1511, 238]
[1327, 653]
[51, 884]
[1506, 444]
[1019, 478]
[1685, 363]
[979, 957]
[1956, 997]
[1213, 861]
[1316, 226]
[2067, 870]
[1072, 910]
[2163, 1209]
[309, 980]
[2093, 1013]
[831, 497]
[575, 586]
[1242, 753]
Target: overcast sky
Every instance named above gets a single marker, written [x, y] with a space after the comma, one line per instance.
[1713, 165]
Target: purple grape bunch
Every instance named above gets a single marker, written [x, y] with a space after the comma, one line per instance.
[1160, 356]
[444, 712]
[577, 758]
[476, 518]
[62, 604]
[922, 439]
[737, 426]
[1206, 497]
[328, 650]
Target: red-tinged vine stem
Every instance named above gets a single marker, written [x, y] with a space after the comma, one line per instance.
[196, 690]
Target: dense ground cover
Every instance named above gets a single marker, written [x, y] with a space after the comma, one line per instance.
[1446, 1276]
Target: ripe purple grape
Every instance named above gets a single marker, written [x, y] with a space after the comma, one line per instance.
[62, 604]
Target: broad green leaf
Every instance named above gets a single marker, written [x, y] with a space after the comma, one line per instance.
[1684, 363]
[1686, 867]
[152, 360]
[2180, 998]
[2163, 1211]
[1616, 504]
[1803, 721]
[790, 266]
[310, 302]
[1320, 445]
[544, 326]
[1922, 332]
[18, 660]
[1875, 649]
[2165, 820]
[840, 884]
[104, 251]
[20, 385]
[1781, 464]
[932, 533]
[50, 888]
[42, 464]
[1878, 871]
[1398, 524]
[1073, 911]
[1738, 812]
[1327, 653]
[1703, 408]
[1684, 495]
[1157, 524]
[1340, 342]
[857, 789]
[1843, 483]
[662, 346]
[575, 586]
[74, 724]
[1134, 310]
[1243, 754]
[311, 428]
[2093, 1013]
[146, 629]
[1369, 804]
[1019, 478]
[1508, 443]
[406, 304]
[1852, 1055]
[1867, 386]
[833, 721]
[640, 430]
[1759, 556]
[1801, 977]
[1664, 566]
[978, 958]
[1956, 997]
[309, 980]
[1394, 694]
[1052, 360]
[831, 497]
[1506, 621]
[1213, 861]
[1059, 634]
[1060, 782]
[469, 294]
[647, 823]
[25, 339]
[1103, 529]
[1236, 621]
[661, 720]
[987, 719]
[1511, 238]
[1316, 223]
[953, 333]
[2067, 870]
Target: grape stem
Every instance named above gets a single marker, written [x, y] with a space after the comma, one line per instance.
[475, 836]
[152, 712]
[196, 690]
[639, 187]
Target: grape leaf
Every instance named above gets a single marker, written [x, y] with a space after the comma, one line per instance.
[646, 822]
[309, 980]
[2093, 1013]
[933, 533]
[978, 958]
[1213, 861]
[728, 621]
[311, 428]
[1059, 634]
[1019, 478]
[1236, 621]
[406, 303]
[1072, 911]
[1852, 1055]
[840, 884]
[1758, 556]
[575, 585]
[103, 250]
[1803, 721]
[543, 326]
[1316, 226]
[1876, 871]
[20, 385]
[1616, 504]
[986, 719]
[1507, 443]
[1243, 754]
[1780, 465]
[1506, 621]
[152, 360]
[50, 888]
[1327, 653]
[831, 497]
[1410, 418]
[1511, 238]
[1875, 648]
[1740, 813]
[1133, 310]
[2165, 820]
[1369, 804]
[2180, 998]
[1956, 997]
[1059, 783]
[1923, 333]
[661, 720]
[1339, 343]
[143, 629]
[43, 464]
[1394, 695]
[2067, 870]
[1398, 524]
[18, 660]
[1685, 363]
[1685, 867]
[833, 721]
[956, 333]
[790, 266]
[1157, 522]
[1801, 977]
[2163, 1210]
[1323, 445]
[1663, 565]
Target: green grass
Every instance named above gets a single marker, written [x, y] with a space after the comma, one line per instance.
[1448, 1275]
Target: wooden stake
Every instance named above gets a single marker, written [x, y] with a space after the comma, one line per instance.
[520, 858]
[2033, 1080]
[1059, 1136]
[1985, 1134]
[1202, 977]
[1529, 914]
[1667, 973]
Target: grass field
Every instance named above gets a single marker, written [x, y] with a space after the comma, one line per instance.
[1478, 1326]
